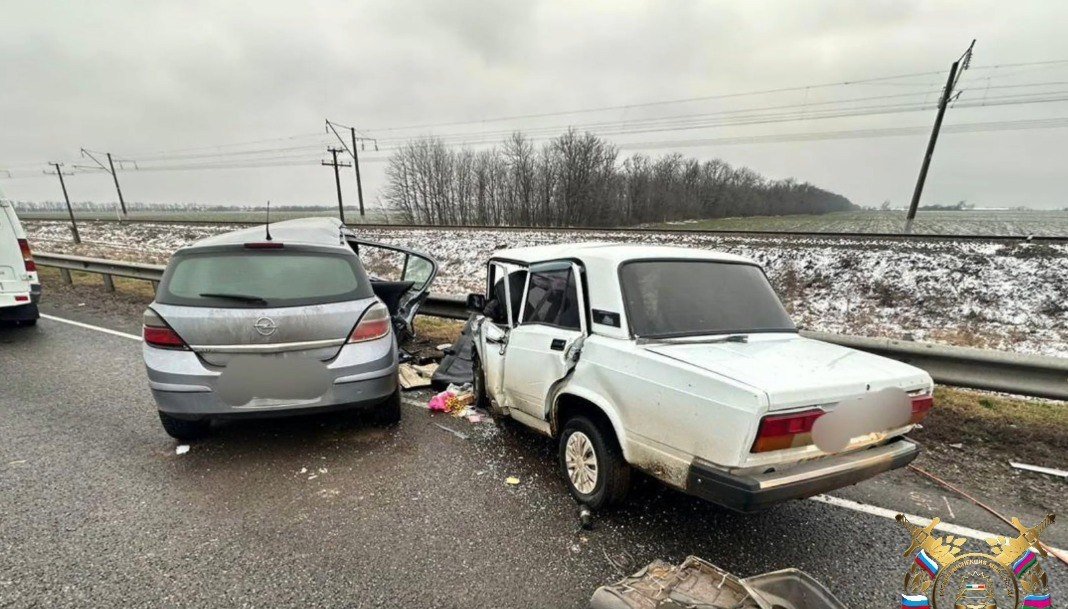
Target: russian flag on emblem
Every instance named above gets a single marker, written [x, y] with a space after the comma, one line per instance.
[912, 601]
[927, 563]
[1037, 601]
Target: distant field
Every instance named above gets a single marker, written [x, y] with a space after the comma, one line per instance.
[1038, 223]
[1010, 223]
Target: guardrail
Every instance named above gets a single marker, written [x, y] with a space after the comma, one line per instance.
[1031, 375]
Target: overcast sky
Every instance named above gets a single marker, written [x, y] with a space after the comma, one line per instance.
[136, 78]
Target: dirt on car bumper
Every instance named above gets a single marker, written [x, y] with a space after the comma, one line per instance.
[753, 493]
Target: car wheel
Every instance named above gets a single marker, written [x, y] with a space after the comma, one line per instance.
[389, 411]
[28, 322]
[592, 463]
[182, 429]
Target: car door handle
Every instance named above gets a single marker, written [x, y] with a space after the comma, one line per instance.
[557, 344]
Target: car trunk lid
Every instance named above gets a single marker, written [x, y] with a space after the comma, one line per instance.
[795, 371]
[218, 334]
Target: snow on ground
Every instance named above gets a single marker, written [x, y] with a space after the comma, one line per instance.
[1010, 297]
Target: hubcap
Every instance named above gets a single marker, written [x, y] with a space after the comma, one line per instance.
[581, 462]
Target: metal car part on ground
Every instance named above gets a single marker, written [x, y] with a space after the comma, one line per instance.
[698, 583]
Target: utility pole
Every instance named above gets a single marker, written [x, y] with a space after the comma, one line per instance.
[947, 97]
[356, 164]
[63, 185]
[110, 168]
[337, 179]
[353, 152]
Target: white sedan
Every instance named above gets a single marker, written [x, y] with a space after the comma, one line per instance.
[683, 363]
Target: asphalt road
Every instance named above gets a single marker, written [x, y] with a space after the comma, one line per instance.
[97, 509]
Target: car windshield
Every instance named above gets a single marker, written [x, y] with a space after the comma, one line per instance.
[696, 297]
[263, 278]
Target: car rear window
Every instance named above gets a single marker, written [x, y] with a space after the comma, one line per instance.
[262, 278]
[665, 298]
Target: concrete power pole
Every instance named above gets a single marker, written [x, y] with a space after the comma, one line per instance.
[337, 178]
[110, 168]
[353, 152]
[63, 185]
[955, 70]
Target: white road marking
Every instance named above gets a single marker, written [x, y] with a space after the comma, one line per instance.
[92, 327]
[864, 508]
[951, 514]
[953, 529]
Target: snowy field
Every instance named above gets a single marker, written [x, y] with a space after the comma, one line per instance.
[981, 294]
[1047, 223]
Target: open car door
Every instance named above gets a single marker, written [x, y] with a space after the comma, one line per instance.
[400, 277]
[504, 288]
[543, 347]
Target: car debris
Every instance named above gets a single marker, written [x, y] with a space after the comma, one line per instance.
[585, 517]
[458, 434]
[698, 583]
[1039, 469]
[458, 364]
[415, 376]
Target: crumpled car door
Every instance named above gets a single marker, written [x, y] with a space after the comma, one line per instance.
[400, 277]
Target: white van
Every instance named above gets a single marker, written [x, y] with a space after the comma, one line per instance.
[20, 288]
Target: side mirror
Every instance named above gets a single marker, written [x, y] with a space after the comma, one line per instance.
[476, 302]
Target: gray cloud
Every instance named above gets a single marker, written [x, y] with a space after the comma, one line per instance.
[133, 76]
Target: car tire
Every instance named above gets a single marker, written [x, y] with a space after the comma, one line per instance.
[597, 440]
[28, 323]
[389, 411]
[182, 429]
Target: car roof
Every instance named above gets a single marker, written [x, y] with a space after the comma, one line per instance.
[611, 253]
[315, 231]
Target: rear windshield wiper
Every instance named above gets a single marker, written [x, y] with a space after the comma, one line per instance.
[241, 297]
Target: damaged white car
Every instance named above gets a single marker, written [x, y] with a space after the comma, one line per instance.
[683, 364]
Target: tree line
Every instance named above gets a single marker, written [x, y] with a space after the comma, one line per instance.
[579, 179]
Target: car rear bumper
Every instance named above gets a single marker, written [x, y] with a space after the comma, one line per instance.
[753, 493]
[184, 386]
[367, 393]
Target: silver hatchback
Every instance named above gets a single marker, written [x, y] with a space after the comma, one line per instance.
[258, 323]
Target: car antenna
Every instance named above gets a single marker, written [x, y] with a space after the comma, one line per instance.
[269, 220]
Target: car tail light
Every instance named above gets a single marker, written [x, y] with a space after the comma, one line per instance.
[781, 431]
[157, 333]
[373, 324]
[921, 406]
[27, 256]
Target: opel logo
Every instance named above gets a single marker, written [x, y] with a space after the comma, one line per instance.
[265, 326]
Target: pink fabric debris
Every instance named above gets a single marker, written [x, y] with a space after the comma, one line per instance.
[438, 401]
